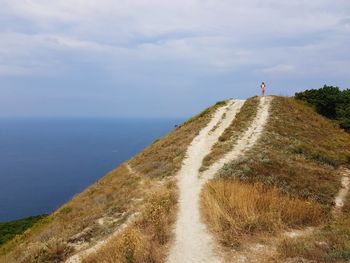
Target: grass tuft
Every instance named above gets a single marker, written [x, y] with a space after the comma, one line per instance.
[234, 209]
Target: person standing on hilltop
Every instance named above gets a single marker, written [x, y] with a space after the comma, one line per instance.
[263, 88]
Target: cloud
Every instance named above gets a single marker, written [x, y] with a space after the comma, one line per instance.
[134, 43]
[219, 35]
[279, 69]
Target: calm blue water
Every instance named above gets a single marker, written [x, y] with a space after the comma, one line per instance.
[43, 163]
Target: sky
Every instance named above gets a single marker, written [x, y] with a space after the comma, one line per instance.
[161, 58]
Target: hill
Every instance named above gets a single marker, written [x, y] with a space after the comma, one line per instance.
[261, 180]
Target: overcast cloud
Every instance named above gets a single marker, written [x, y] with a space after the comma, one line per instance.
[162, 58]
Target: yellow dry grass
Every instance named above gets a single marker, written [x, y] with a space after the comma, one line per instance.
[298, 153]
[110, 196]
[164, 157]
[295, 162]
[331, 243]
[233, 209]
[146, 240]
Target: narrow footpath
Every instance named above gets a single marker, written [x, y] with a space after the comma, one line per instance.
[193, 243]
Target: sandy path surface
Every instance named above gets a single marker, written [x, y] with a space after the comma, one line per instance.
[256, 251]
[248, 139]
[343, 192]
[78, 257]
[192, 241]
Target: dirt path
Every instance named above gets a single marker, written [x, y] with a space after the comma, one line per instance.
[78, 257]
[254, 252]
[343, 192]
[83, 253]
[248, 139]
[192, 241]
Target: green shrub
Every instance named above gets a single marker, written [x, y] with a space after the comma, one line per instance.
[331, 102]
[8, 230]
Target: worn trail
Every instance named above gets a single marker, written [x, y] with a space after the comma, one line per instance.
[192, 241]
[247, 140]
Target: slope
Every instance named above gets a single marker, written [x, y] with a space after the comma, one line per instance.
[276, 203]
[272, 175]
[101, 209]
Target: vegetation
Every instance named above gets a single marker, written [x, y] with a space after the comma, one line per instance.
[146, 240]
[230, 136]
[298, 153]
[330, 102]
[234, 209]
[288, 180]
[10, 229]
[111, 197]
[164, 157]
[330, 244]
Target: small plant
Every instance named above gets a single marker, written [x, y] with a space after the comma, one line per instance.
[54, 250]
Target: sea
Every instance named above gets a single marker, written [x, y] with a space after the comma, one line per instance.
[45, 162]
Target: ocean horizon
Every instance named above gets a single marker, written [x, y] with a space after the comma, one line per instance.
[44, 162]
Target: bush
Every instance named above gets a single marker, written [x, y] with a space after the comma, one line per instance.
[331, 102]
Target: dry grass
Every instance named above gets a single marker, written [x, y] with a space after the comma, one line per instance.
[164, 157]
[230, 136]
[110, 196]
[146, 240]
[54, 251]
[329, 244]
[298, 153]
[234, 209]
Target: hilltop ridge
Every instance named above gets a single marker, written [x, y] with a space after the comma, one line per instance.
[250, 174]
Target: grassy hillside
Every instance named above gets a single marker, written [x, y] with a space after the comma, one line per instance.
[287, 181]
[8, 230]
[106, 205]
[298, 153]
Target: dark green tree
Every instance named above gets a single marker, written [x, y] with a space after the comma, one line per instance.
[331, 102]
